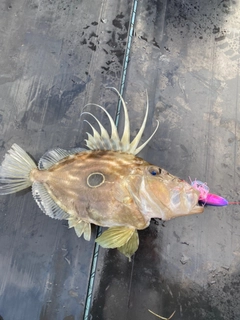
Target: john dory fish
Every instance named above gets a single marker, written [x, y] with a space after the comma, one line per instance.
[107, 185]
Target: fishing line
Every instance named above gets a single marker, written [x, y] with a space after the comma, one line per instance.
[99, 229]
[92, 278]
[126, 58]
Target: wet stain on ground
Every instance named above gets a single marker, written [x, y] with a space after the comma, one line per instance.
[59, 100]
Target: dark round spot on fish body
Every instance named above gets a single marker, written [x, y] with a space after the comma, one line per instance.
[95, 179]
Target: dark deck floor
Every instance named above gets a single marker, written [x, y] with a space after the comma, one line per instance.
[55, 56]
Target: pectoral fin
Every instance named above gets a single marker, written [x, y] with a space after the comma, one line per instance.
[123, 238]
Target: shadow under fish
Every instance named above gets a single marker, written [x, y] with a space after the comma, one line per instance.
[107, 185]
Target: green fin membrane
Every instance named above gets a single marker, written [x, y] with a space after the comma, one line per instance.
[115, 237]
[129, 248]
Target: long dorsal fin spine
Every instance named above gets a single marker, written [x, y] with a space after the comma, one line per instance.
[96, 135]
[146, 142]
[136, 140]
[104, 133]
[125, 140]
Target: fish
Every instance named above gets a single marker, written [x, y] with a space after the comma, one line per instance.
[107, 184]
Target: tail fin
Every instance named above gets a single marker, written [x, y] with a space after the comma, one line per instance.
[15, 171]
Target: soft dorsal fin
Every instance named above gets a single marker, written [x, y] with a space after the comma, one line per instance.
[102, 141]
[46, 203]
[53, 156]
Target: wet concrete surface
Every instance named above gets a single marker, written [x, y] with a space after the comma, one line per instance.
[55, 57]
[185, 55]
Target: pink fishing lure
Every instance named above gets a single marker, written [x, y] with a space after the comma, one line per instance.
[208, 198]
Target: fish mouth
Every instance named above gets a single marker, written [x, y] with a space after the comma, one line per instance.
[169, 198]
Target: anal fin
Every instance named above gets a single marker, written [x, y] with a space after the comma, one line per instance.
[123, 238]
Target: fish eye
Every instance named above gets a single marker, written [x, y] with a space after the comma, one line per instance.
[154, 171]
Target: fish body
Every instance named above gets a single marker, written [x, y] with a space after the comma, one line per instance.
[92, 186]
[108, 185]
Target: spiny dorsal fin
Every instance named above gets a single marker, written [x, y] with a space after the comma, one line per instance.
[114, 133]
[54, 156]
[95, 139]
[102, 141]
[46, 203]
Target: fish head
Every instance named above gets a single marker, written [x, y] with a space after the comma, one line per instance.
[159, 194]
